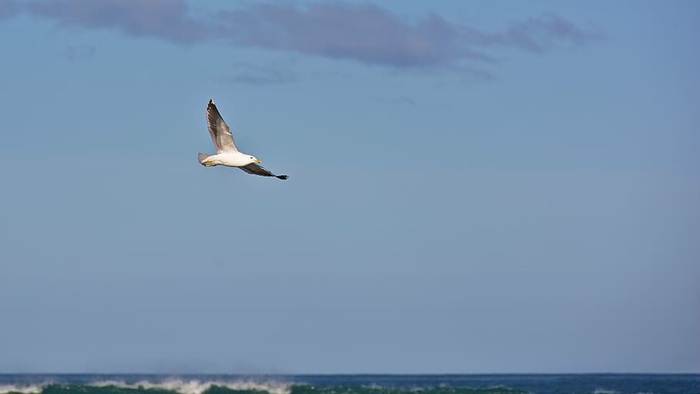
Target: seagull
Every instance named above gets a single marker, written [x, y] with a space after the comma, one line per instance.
[226, 152]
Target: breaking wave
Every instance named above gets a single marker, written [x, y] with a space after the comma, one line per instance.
[165, 387]
[178, 386]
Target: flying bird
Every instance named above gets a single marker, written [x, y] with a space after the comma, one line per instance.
[227, 154]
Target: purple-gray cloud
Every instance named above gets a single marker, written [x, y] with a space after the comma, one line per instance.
[361, 32]
[373, 35]
[167, 20]
[403, 101]
[253, 74]
[8, 9]
[77, 52]
[547, 32]
[365, 33]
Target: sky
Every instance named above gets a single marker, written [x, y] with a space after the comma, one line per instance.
[475, 187]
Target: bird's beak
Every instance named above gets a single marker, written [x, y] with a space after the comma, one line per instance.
[258, 161]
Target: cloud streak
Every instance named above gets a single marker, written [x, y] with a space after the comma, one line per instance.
[8, 9]
[363, 33]
[79, 52]
[546, 33]
[167, 20]
[252, 74]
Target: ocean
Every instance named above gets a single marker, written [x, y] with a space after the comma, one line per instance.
[350, 384]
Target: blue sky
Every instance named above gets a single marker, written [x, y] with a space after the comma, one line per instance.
[474, 187]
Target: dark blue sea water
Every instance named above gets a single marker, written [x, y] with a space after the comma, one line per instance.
[349, 384]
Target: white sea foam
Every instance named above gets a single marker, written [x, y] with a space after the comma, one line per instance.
[197, 386]
[604, 391]
[26, 389]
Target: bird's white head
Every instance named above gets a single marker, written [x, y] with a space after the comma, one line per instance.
[254, 159]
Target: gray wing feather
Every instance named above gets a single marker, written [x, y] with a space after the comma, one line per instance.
[257, 169]
[218, 129]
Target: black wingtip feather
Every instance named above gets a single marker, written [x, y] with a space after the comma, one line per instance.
[282, 177]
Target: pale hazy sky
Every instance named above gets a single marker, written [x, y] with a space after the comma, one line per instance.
[474, 187]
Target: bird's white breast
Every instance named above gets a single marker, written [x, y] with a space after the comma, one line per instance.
[231, 159]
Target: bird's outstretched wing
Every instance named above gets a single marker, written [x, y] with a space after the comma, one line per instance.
[218, 129]
[256, 169]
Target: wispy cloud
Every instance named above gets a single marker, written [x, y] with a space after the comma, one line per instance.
[78, 52]
[255, 74]
[8, 9]
[402, 101]
[360, 32]
[373, 35]
[546, 33]
[167, 20]
[364, 33]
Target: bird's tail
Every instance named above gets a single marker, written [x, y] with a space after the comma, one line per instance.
[202, 157]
